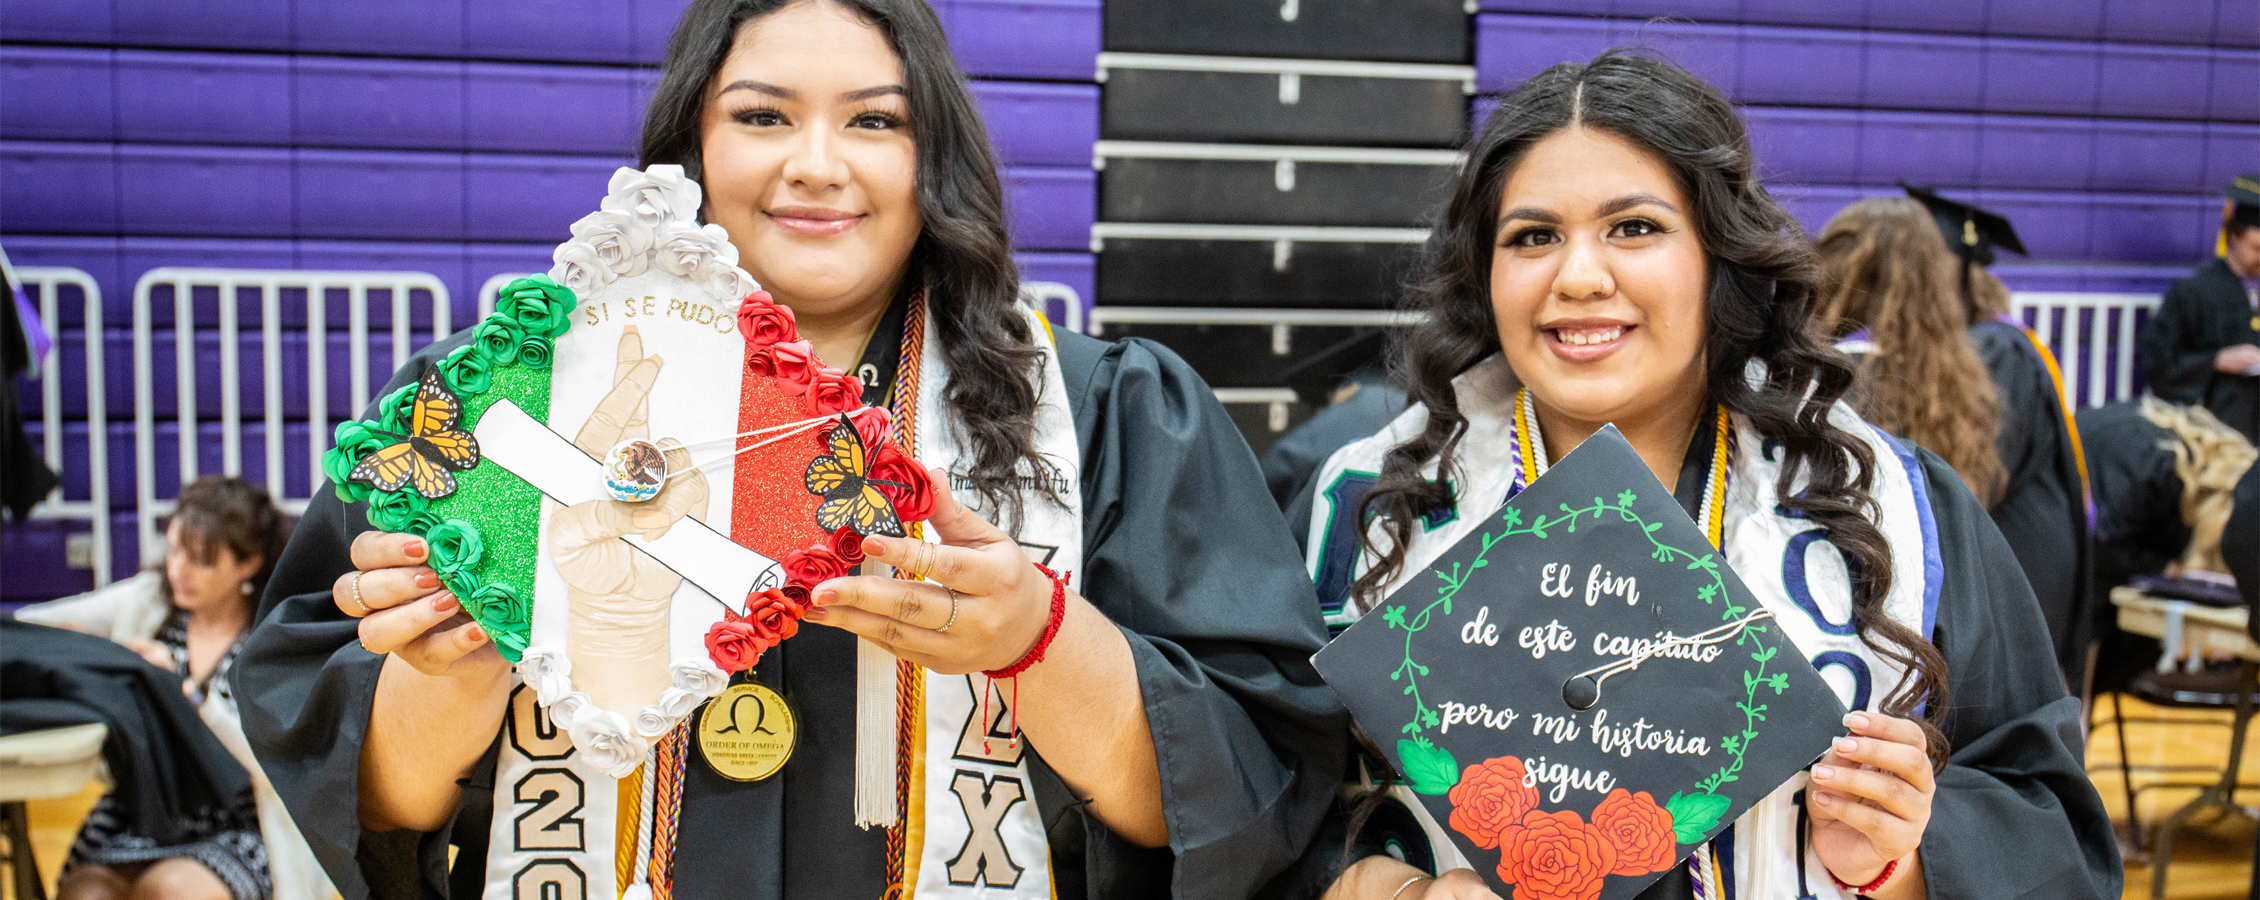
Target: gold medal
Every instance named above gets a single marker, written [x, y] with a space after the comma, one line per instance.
[747, 733]
[2256, 323]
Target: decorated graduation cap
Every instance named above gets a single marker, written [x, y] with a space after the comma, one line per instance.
[1583, 671]
[2241, 209]
[1971, 232]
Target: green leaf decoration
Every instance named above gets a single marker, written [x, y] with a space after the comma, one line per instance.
[1430, 769]
[1694, 815]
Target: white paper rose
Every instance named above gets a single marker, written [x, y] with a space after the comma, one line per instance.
[548, 672]
[580, 268]
[656, 196]
[686, 249]
[622, 241]
[698, 677]
[603, 738]
[564, 709]
[726, 282]
[653, 721]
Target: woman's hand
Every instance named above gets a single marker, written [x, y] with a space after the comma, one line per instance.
[404, 611]
[1000, 605]
[152, 651]
[1870, 801]
[1385, 878]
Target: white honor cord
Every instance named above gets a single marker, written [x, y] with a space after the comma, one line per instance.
[1724, 632]
[639, 888]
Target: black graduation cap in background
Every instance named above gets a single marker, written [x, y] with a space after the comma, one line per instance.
[2243, 206]
[2244, 190]
[1971, 232]
[1580, 689]
[1315, 378]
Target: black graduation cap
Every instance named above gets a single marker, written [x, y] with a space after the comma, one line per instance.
[1315, 378]
[1970, 231]
[2245, 190]
[1583, 667]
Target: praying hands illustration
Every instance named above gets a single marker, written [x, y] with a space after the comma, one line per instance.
[616, 636]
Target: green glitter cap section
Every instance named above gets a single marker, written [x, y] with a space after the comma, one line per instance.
[506, 510]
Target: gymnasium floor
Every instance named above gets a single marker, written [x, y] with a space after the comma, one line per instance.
[2211, 862]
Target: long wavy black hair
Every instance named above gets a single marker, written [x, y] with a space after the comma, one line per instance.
[963, 256]
[1758, 307]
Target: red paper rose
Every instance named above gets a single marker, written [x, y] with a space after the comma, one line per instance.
[795, 366]
[1639, 830]
[832, 392]
[874, 424]
[1490, 799]
[734, 644]
[797, 595]
[773, 615]
[1555, 856]
[764, 323]
[914, 502]
[762, 363]
[814, 565]
[848, 545]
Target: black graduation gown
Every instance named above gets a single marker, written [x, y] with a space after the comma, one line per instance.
[2200, 315]
[1291, 463]
[170, 772]
[2014, 815]
[2043, 506]
[1183, 550]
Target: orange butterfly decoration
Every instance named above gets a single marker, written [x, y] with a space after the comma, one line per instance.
[432, 447]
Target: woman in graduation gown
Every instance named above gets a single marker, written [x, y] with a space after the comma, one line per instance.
[2202, 347]
[1608, 256]
[1180, 744]
[1943, 366]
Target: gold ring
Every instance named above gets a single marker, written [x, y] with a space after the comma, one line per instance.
[357, 593]
[945, 629]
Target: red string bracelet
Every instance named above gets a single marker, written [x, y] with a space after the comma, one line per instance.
[1871, 886]
[1035, 655]
[1051, 628]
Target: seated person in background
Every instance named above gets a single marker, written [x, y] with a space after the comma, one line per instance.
[1942, 365]
[2162, 477]
[2202, 348]
[187, 618]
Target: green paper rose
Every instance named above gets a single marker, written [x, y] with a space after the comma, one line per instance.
[350, 443]
[539, 305]
[499, 608]
[534, 353]
[510, 644]
[396, 510]
[498, 338]
[455, 547]
[467, 370]
[395, 409]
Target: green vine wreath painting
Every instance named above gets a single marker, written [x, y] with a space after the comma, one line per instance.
[1580, 689]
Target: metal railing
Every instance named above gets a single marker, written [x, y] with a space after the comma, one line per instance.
[269, 285]
[47, 282]
[2093, 337]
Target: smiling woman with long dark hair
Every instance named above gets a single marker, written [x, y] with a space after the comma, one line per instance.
[1609, 257]
[1176, 741]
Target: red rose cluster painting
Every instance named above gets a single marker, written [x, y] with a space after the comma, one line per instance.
[1558, 855]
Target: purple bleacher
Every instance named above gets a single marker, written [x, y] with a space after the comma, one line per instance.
[2103, 279]
[322, 101]
[382, 102]
[57, 93]
[1836, 67]
[1918, 148]
[2145, 228]
[274, 192]
[33, 554]
[2227, 23]
[1051, 39]
[1042, 39]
